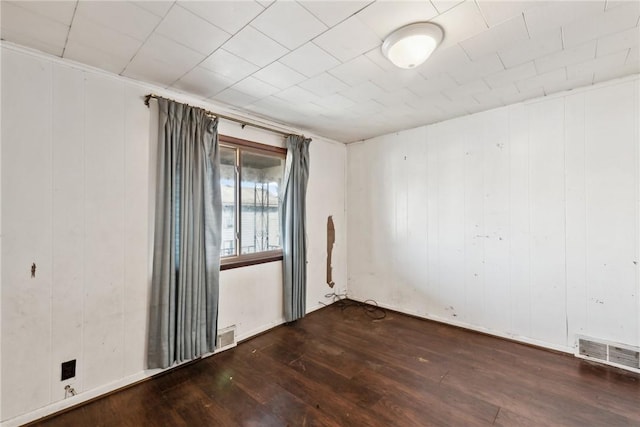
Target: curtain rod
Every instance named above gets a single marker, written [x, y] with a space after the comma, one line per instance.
[244, 123]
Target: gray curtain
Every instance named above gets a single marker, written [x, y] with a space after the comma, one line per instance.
[186, 254]
[293, 227]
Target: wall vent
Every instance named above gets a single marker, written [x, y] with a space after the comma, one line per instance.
[592, 349]
[226, 339]
[615, 354]
[623, 356]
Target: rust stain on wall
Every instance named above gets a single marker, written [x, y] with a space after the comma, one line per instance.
[331, 239]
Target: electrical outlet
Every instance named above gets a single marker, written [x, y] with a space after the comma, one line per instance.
[68, 370]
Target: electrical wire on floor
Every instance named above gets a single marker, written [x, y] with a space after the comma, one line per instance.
[369, 306]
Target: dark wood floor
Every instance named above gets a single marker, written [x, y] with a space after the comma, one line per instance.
[341, 368]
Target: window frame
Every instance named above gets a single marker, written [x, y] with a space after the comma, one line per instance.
[243, 145]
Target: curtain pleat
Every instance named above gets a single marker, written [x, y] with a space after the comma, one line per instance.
[186, 256]
[293, 227]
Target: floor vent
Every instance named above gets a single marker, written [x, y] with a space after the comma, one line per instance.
[615, 354]
[226, 339]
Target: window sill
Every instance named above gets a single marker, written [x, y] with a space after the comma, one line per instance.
[247, 260]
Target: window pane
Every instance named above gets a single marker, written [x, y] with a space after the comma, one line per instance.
[228, 188]
[261, 177]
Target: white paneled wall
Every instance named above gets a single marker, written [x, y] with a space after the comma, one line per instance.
[69, 226]
[77, 182]
[521, 221]
[27, 227]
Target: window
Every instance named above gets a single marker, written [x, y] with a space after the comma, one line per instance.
[250, 179]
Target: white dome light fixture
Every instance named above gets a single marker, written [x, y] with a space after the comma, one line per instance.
[411, 45]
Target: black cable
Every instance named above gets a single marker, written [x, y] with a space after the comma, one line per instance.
[369, 306]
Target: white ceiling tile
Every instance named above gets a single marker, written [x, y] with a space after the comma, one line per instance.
[598, 25]
[610, 4]
[476, 107]
[511, 75]
[333, 12]
[309, 60]
[234, 97]
[255, 47]
[366, 107]
[531, 49]
[203, 82]
[375, 56]
[615, 72]
[362, 92]
[95, 57]
[466, 90]
[436, 83]
[149, 69]
[358, 70]
[23, 39]
[296, 95]
[266, 106]
[289, 24]
[459, 107]
[310, 109]
[444, 5]
[321, 122]
[434, 99]
[523, 96]
[394, 80]
[634, 56]
[157, 7]
[192, 31]
[496, 12]
[255, 87]
[260, 111]
[91, 34]
[551, 78]
[59, 11]
[279, 75]
[166, 50]
[231, 16]
[550, 88]
[460, 23]
[302, 120]
[413, 118]
[443, 60]
[618, 41]
[598, 65]
[508, 34]
[229, 65]
[265, 3]
[348, 39]
[396, 98]
[21, 25]
[566, 57]
[123, 17]
[323, 85]
[384, 17]
[281, 106]
[551, 15]
[335, 101]
[477, 69]
[400, 112]
[496, 96]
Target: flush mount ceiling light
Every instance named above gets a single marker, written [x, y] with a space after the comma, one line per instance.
[411, 45]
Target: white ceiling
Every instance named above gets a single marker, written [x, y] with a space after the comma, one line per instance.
[317, 65]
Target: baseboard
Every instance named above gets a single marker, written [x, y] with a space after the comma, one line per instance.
[487, 331]
[89, 395]
[259, 330]
[84, 397]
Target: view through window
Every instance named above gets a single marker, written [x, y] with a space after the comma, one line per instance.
[250, 179]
